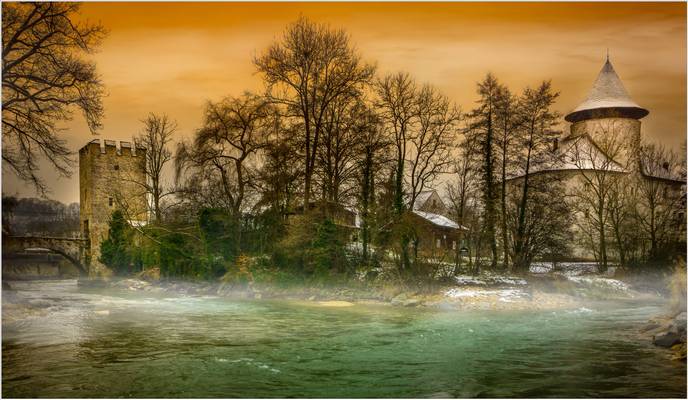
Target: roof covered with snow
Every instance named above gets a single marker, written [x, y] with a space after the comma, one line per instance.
[439, 220]
[582, 153]
[577, 154]
[607, 95]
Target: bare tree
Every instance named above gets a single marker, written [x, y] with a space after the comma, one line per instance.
[659, 197]
[156, 136]
[306, 72]
[372, 149]
[620, 215]
[335, 168]
[43, 80]
[422, 124]
[397, 105]
[463, 193]
[279, 178]
[431, 143]
[598, 174]
[234, 130]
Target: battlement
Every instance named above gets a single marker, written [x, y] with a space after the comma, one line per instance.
[114, 147]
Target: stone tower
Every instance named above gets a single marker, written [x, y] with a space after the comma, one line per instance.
[109, 179]
[611, 118]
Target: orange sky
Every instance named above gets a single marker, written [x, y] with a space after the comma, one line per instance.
[172, 57]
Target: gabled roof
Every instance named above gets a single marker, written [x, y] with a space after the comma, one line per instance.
[608, 97]
[439, 220]
[422, 198]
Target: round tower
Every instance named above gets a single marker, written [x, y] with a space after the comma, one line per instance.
[611, 118]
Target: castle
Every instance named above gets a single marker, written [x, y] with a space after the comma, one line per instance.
[604, 138]
[111, 176]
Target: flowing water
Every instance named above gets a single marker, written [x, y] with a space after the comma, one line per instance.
[63, 341]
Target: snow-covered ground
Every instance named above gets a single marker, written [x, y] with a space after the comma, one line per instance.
[573, 280]
[503, 295]
[568, 268]
[489, 280]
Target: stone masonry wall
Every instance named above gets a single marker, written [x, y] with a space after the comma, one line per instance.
[109, 179]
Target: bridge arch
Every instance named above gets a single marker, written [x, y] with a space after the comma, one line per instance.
[72, 249]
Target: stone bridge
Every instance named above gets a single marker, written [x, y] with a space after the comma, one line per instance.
[73, 249]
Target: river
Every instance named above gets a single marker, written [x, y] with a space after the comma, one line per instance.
[60, 340]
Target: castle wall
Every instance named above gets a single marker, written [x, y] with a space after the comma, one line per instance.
[108, 176]
[573, 182]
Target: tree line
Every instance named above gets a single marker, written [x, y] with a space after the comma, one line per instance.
[266, 174]
[30, 216]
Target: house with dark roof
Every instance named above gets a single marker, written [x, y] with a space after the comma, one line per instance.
[436, 234]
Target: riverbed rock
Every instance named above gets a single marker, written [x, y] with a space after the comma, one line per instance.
[131, 284]
[411, 303]
[399, 299]
[650, 326]
[679, 351]
[150, 274]
[667, 339]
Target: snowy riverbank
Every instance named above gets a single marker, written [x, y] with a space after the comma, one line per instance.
[538, 291]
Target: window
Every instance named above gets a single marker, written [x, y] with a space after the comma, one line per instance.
[111, 201]
[453, 244]
[439, 243]
[116, 167]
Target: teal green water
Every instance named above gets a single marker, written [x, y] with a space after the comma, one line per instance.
[121, 344]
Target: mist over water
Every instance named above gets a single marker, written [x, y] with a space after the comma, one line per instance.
[60, 340]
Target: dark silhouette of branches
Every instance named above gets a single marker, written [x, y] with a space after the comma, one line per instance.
[306, 72]
[43, 80]
[156, 136]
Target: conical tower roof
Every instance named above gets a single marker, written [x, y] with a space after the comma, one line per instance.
[607, 98]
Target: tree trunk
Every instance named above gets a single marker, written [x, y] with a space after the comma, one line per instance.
[603, 239]
[505, 238]
[489, 178]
